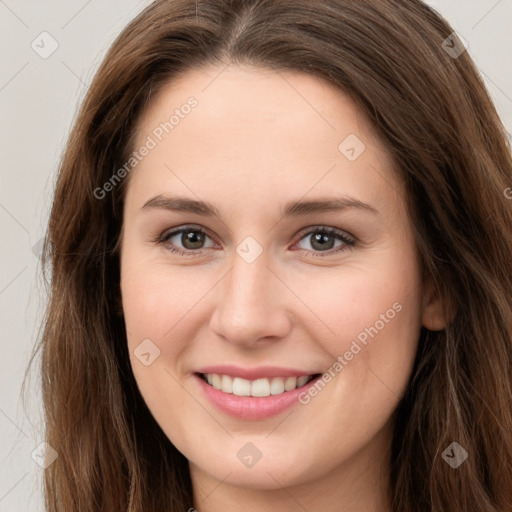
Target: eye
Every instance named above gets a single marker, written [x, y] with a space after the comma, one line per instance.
[322, 241]
[191, 238]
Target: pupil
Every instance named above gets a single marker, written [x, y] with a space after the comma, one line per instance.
[192, 239]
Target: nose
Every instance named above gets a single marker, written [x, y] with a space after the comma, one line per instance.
[251, 304]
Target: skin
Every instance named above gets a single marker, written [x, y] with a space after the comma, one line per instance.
[256, 140]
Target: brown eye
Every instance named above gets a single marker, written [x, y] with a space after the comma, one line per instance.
[192, 239]
[324, 240]
[321, 241]
[185, 240]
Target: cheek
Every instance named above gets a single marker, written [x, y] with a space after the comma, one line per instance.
[354, 302]
[158, 306]
[370, 319]
[163, 304]
[369, 326]
[157, 298]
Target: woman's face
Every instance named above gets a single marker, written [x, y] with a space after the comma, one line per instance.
[296, 259]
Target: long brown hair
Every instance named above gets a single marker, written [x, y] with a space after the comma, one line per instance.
[433, 112]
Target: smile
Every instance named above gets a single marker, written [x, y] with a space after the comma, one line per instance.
[255, 393]
[256, 388]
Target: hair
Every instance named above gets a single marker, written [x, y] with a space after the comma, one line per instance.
[435, 116]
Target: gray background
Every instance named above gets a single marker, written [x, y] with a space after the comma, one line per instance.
[39, 98]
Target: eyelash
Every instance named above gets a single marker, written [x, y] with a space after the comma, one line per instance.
[348, 242]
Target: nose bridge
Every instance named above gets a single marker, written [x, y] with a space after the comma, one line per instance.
[246, 309]
[248, 287]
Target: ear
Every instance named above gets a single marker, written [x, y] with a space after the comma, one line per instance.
[435, 315]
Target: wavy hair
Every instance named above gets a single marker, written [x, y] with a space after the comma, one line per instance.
[431, 109]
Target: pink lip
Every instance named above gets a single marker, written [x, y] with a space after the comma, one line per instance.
[248, 407]
[259, 372]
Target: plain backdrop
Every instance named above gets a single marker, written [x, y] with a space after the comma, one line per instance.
[39, 97]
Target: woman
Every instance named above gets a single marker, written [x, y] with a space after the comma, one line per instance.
[334, 331]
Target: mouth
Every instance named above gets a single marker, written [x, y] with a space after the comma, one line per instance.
[261, 387]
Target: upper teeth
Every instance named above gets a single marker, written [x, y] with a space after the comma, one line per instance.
[258, 387]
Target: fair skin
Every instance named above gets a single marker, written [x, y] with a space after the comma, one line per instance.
[257, 140]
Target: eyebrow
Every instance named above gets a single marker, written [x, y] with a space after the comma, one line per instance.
[291, 209]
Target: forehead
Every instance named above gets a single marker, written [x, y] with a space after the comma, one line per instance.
[235, 91]
[259, 129]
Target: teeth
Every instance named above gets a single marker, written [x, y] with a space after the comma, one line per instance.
[226, 384]
[302, 380]
[216, 381]
[258, 388]
[241, 387]
[290, 383]
[277, 386]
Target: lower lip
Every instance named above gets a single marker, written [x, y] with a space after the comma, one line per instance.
[252, 408]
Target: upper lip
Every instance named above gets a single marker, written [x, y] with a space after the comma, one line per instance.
[258, 372]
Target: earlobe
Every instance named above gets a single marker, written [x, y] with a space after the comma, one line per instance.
[435, 315]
